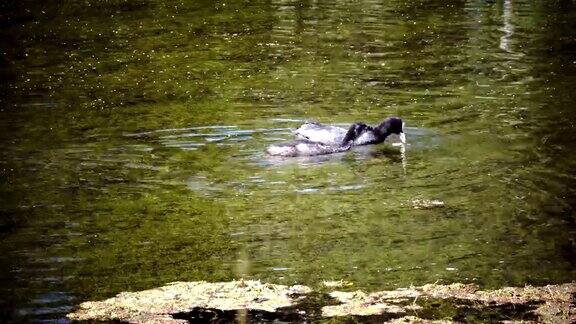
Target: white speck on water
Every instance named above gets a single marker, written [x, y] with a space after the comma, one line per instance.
[307, 190]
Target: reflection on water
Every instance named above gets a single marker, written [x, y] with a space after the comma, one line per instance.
[508, 28]
[133, 137]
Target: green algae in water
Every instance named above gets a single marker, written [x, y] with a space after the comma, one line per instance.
[87, 210]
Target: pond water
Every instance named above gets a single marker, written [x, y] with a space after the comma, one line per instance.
[133, 138]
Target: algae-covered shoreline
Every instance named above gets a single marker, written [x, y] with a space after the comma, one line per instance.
[181, 302]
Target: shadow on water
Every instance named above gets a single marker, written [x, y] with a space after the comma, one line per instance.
[457, 310]
[472, 312]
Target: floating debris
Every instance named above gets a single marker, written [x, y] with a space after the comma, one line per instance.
[157, 305]
[176, 302]
[337, 283]
[554, 301]
[427, 204]
[360, 304]
[416, 320]
[551, 304]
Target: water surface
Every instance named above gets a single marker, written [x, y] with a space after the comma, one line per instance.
[133, 135]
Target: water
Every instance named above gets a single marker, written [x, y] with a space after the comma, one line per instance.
[133, 135]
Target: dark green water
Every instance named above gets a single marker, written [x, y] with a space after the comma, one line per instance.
[132, 138]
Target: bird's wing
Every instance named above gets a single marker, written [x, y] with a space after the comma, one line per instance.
[328, 135]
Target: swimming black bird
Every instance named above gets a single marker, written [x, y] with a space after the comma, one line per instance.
[317, 139]
[357, 134]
